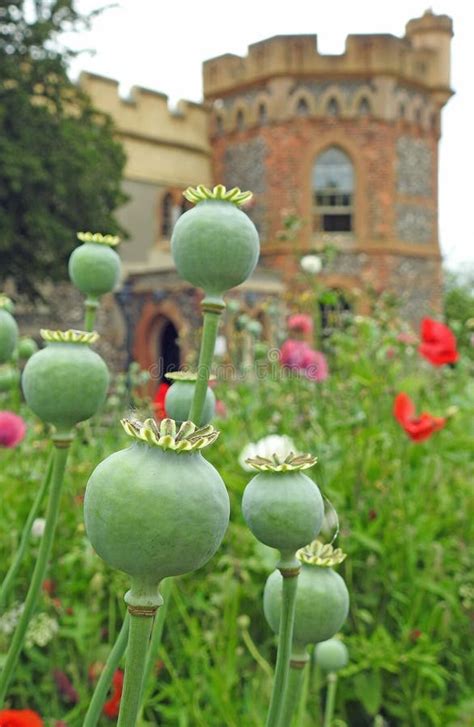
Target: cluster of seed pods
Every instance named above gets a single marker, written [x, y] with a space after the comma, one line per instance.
[64, 383]
[158, 508]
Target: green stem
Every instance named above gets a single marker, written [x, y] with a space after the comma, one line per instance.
[285, 638]
[139, 635]
[25, 536]
[57, 477]
[103, 685]
[293, 693]
[157, 633]
[330, 699]
[91, 311]
[212, 309]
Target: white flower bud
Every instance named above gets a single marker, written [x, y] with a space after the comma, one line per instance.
[311, 264]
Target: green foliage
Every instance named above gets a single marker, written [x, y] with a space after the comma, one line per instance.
[406, 514]
[459, 308]
[60, 168]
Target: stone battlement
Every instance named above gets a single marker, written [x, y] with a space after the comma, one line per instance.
[419, 59]
[146, 114]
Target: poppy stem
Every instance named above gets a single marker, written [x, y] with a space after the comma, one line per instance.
[61, 443]
[157, 632]
[139, 635]
[92, 305]
[290, 571]
[99, 696]
[25, 536]
[212, 309]
[293, 692]
[330, 699]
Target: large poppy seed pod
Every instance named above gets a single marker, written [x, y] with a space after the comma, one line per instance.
[322, 599]
[331, 655]
[8, 330]
[66, 382]
[215, 245]
[157, 508]
[281, 505]
[94, 267]
[179, 398]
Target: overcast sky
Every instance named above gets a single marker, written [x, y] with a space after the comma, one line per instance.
[161, 45]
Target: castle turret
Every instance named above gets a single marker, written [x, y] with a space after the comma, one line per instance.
[348, 143]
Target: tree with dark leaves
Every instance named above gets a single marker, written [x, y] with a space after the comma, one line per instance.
[60, 166]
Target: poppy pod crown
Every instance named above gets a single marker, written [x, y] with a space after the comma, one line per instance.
[215, 245]
[281, 505]
[66, 382]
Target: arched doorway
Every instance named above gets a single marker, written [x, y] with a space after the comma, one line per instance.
[168, 353]
[157, 345]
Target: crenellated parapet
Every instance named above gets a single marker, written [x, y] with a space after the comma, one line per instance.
[384, 71]
[147, 112]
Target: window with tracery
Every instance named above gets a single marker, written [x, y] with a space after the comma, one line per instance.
[333, 192]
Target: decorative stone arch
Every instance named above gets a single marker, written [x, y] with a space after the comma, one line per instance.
[338, 138]
[333, 92]
[149, 336]
[262, 99]
[364, 93]
[240, 108]
[301, 94]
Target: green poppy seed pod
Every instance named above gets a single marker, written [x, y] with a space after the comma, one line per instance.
[8, 330]
[94, 267]
[281, 505]
[331, 655]
[9, 377]
[66, 382]
[322, 598]
[179, 398]
[215, 245]
[26, 348]
[158, 508]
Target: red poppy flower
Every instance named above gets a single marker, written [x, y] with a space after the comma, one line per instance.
[112, 707]
[159, 400]
[420, 427]
[20, 718]
[438, 343]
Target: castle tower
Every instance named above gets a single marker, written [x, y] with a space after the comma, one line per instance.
[349, 144]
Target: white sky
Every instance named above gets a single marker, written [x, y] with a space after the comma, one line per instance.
[161, 45]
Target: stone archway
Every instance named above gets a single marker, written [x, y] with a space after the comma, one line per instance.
[157, 347]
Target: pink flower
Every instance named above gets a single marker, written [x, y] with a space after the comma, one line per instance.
[300, 322]
[315, 366]
[299, 356]
[12, 429]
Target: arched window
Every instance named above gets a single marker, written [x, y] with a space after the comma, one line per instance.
[402, 110]
[333, 107]
[262, 114]
[364, 107]
[219, 125]
[240, 120]
[333, 191]
[418, 115]
[166, 215]
[302, 108]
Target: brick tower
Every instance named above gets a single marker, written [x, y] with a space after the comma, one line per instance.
[348, 143]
